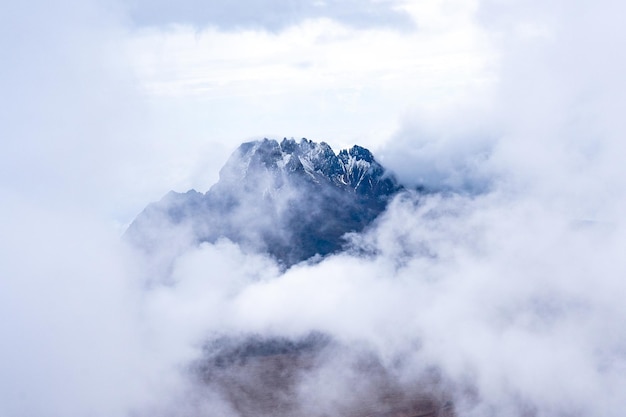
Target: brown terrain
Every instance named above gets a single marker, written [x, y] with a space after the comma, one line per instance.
[298, 384]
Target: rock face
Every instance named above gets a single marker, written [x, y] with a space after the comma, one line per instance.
[293, 200]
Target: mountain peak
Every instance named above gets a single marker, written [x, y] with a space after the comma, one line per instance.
[357, 152]
[292, 199]
[352, 169]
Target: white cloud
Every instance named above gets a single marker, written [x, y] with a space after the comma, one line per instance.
[498, 292]
[516, 292]
[319, 79]
[69, 318]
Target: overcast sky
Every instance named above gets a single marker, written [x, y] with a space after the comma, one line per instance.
[515, 105]
[112, 104]
[118, 102]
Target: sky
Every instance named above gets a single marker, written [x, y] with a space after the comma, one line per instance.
[511, 283]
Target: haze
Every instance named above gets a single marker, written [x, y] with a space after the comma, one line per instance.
[510, 281]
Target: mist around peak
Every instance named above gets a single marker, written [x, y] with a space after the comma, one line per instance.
[501, 296]
[293, 200]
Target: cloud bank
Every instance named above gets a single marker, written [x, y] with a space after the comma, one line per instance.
[508, 284]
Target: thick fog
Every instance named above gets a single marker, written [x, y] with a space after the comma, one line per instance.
[506, 280]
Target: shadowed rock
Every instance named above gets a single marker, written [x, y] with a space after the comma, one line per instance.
[292, 200]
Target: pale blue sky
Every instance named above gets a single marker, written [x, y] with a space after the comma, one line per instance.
[271, 15]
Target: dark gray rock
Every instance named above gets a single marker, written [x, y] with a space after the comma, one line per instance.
[292, 200]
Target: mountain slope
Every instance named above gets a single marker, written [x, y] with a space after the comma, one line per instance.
[293, 200]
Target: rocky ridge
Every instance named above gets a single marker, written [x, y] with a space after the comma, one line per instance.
[292, 200]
